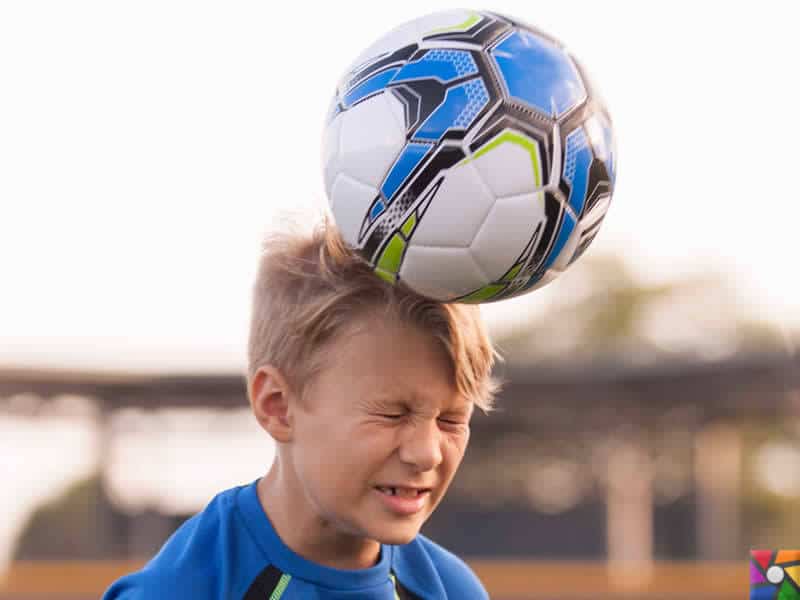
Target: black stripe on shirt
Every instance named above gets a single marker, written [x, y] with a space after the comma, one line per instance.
[263, 585]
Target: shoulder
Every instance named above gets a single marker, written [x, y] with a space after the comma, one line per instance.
[190, 564]
[154, 584]
[458, 579]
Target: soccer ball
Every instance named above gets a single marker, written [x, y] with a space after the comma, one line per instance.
[468, 156]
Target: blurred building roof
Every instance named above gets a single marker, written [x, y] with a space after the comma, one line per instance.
[748, 385]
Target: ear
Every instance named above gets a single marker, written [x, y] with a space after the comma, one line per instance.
[269, 398]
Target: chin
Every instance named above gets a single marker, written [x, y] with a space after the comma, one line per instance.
[395, 535]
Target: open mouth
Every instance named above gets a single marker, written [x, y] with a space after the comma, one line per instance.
[403, 492]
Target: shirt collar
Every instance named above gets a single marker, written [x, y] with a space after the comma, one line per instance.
[288, 561]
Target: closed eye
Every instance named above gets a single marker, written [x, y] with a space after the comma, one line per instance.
[448, 422]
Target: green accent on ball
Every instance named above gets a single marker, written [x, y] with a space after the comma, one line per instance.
[471, 20]
[388, 277]
[520, 140]
[392, 254]
[513, 272]
[409, 225]
[485, 293]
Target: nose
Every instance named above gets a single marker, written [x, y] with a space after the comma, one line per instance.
[421, 446]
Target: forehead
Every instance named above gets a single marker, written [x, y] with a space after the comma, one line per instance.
[391, 361]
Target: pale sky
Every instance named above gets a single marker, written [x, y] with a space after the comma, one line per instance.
[145, 147]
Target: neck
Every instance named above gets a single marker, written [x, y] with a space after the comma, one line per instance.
[305, 531]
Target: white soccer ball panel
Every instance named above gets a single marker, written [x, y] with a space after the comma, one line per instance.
[506, 231]
[350, 201]
[398, 111]
[330, 153]
[399, 37]
[457, 211]
[371, 139]
[441, 273]
[508, 170]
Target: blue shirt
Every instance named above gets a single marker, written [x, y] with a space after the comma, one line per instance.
[230, 551]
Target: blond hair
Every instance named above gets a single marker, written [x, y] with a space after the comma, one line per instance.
[310, 286]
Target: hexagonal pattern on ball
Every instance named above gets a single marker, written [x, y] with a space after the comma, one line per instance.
[371, 139]
[457, 211]
[555, 86]
[506, 231]
[469, 221]
[441, 273]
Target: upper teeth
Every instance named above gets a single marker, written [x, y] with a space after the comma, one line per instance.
[406, 492]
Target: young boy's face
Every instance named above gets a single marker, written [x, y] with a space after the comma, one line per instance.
[384, 412]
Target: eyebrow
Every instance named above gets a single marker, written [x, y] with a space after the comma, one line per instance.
[462, 408]
[408, 404]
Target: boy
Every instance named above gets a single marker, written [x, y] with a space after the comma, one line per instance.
[367, 390]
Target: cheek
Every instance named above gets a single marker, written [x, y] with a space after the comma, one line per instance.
[453, 452]
[457, 440]
[373, 449]
[321, 450]
[343, 459]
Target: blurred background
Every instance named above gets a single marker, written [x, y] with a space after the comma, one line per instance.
[649, 431]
